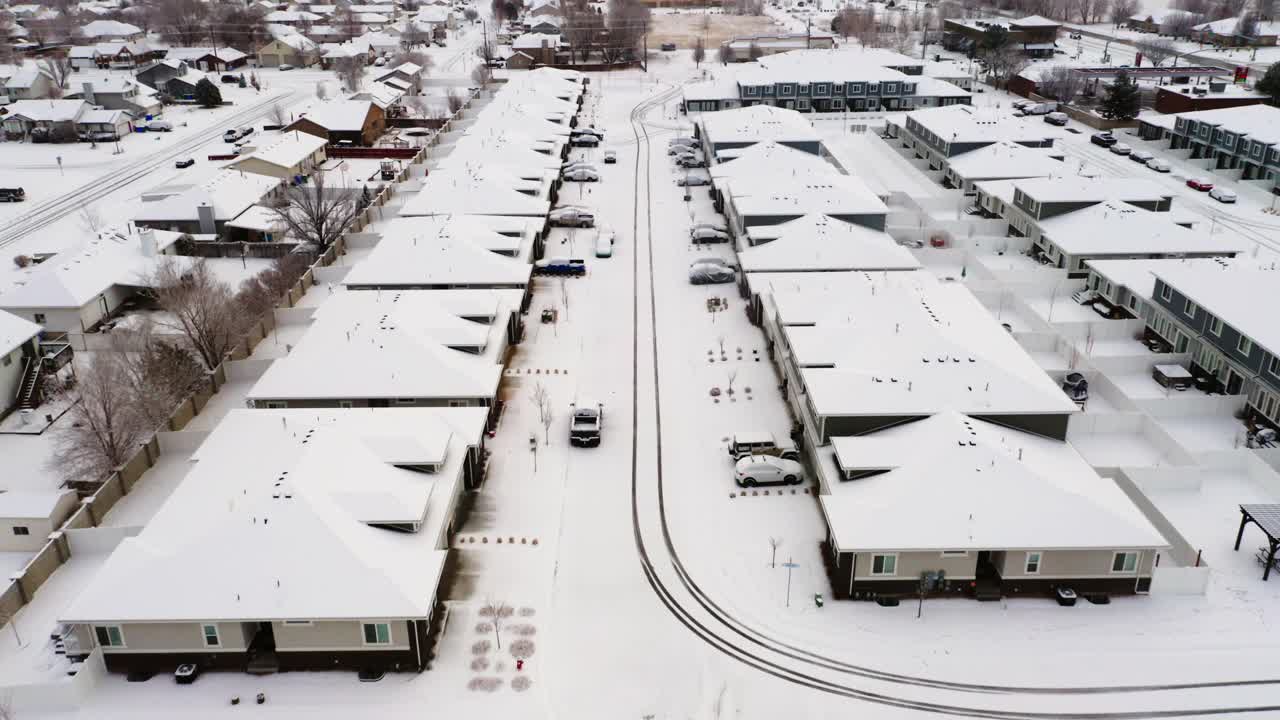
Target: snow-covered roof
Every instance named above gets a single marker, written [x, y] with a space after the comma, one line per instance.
[103, 117]
[339, 115]
[419, 252]
[1035, 21]
[817, 69]
[225, 54]
[109, 28]
[1259, 122]
[969, 124]
[1074, 188]
[506, 236]
[460, 193]
[816, 58]
[757, 123]
[230, 193]
[1243, 299]
[937, 87]
[1004, 160]
[52, 111]
[1227, 26]
[396, 344]
[269, 525]
[529, 41]
[1113, 227]
[286, 151]
[14, 331]
[291, 16]
[772, 160]
[259, 219]
[298, 42]
[1159, 16]
[824, 194]
[957, 483]
[75, 277]
[819, 243]
[25, 76]
[30, 504]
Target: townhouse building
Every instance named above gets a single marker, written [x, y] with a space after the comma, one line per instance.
[1240, 138]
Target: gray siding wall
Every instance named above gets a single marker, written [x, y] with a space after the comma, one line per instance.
[179, 637]
[346, 635]
[1226, 343]
[910, 565]
[1073, 563]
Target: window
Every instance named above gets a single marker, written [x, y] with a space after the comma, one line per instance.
[377, 634]
[1166, 292]
[109, 636]
[1273, 366]
[855, 88]
[39, 318]
[1189, 308]
[1033, 563]
[405, 401]
[299, 623]
[955, 553]
[211, 638]
[786, 90]
[1215, 326]
[345, 404]
[275, 404]
[750, 90]
[884, 564]
[21, 530]
[1244, 345]
[1124, 562]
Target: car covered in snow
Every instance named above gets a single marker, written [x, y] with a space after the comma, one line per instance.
[1223, 195]
[754, 470]
[584, 140]
[708, 235]
[1120, 149]
[1140, 156]
[1160, 166]
[604, 244]
[691, 160]
[704, 273]
[581, 174]
[571, 216]
[610, 157]
[693, 180]
[576, 164]
[184, 163]
[560, 266]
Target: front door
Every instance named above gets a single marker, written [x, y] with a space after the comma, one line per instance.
[1234, 382]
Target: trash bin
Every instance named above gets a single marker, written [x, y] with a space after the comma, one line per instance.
[817, 599]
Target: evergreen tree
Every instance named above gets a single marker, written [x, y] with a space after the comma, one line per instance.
[1269, 85]
[208, 94]
[1121, 101]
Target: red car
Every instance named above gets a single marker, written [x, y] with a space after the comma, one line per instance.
[1201, 184]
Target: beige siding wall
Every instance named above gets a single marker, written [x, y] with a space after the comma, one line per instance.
[335, 636]
[1073, 563]
[260, 167]
[54, 320]
[10, 377]
[910, 565]
[179, 637]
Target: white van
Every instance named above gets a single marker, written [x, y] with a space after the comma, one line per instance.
[743, 444]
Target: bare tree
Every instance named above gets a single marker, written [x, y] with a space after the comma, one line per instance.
[699, 52]
[350, 72]
[261, 293]
[277, 114]
[1122, 10]
[1156, 49]
[1247, 27]
[103, 431]
[541, 400]
[58, 68]
[733, 376]
[480, 75]
[1004, 64]
[1179, 24]
[455, 101]
[345, 20]
[200, 307]
[774, 543]
[157, 373]
[183, 22]
[724, 54]
[485, 50]
[1061, 83]
[414, 35]
[316, 213]
[417, 57]
[754, 52]
[90, 218]
[496, 611]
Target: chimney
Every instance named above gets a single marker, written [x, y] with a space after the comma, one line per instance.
[147, 241]
[208, 226]
[87, 91]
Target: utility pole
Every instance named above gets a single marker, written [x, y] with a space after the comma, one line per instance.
[789, 565]
[808, 33]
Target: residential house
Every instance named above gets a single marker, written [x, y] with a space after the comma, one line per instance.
[751, 202]
[352, 49]
[77, 289]
[457, 192]
[29, 81]
[292, 18]
[1241, 138]
[58, 118]
[740, 49]
[28, 517]
[298, 568]
[818, 244]
[182, 88]
[96, 122]
[939, 134]
[744, 127]
[357, 122]
[206, 208]
[1226, 32]
[437, 253]
[546, 25]
[116, 54]
[540, 48]
[543, 9]
[408, 76]
[296, 50]
[210, 59]
[100, 30]
[1156, 20]
[1222, 316]
[1004, 160]
[1034, 35]
[1213, 95]
[156, 74]
[115, 92]
[289, 157]
[405, 348]
[19, 350]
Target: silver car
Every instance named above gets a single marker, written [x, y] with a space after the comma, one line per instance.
[582, 174]
[754, 470]
[708, 235]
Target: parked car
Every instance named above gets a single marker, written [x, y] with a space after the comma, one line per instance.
[702, 273]
[682, 140]
[1043, 108]
[160, 126]
[1019, 104]
[560, 266]
[570, 216]
[682, 147]
[235, 134]
[584, 140]
[754, 470]
[1075, 36]
[582, 174]
[14, 194]
[185, 163]
[1202, 184]
[1223, 195]
[719, 227]
[1140, 156]
[708, 235]
[285, 68]
[577, 165]
[380, 62]
[1160, 166]
[1104, 138]
[693, 180]
[668, 47]
[1120, 149]
[610, 157]
[1056, 118]
[692, 160]
[604, 244]
[230, 80]
[760, 442]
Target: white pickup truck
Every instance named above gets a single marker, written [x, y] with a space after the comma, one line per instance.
[585, 424]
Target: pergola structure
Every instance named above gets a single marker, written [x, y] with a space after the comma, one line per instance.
[1267, 518]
